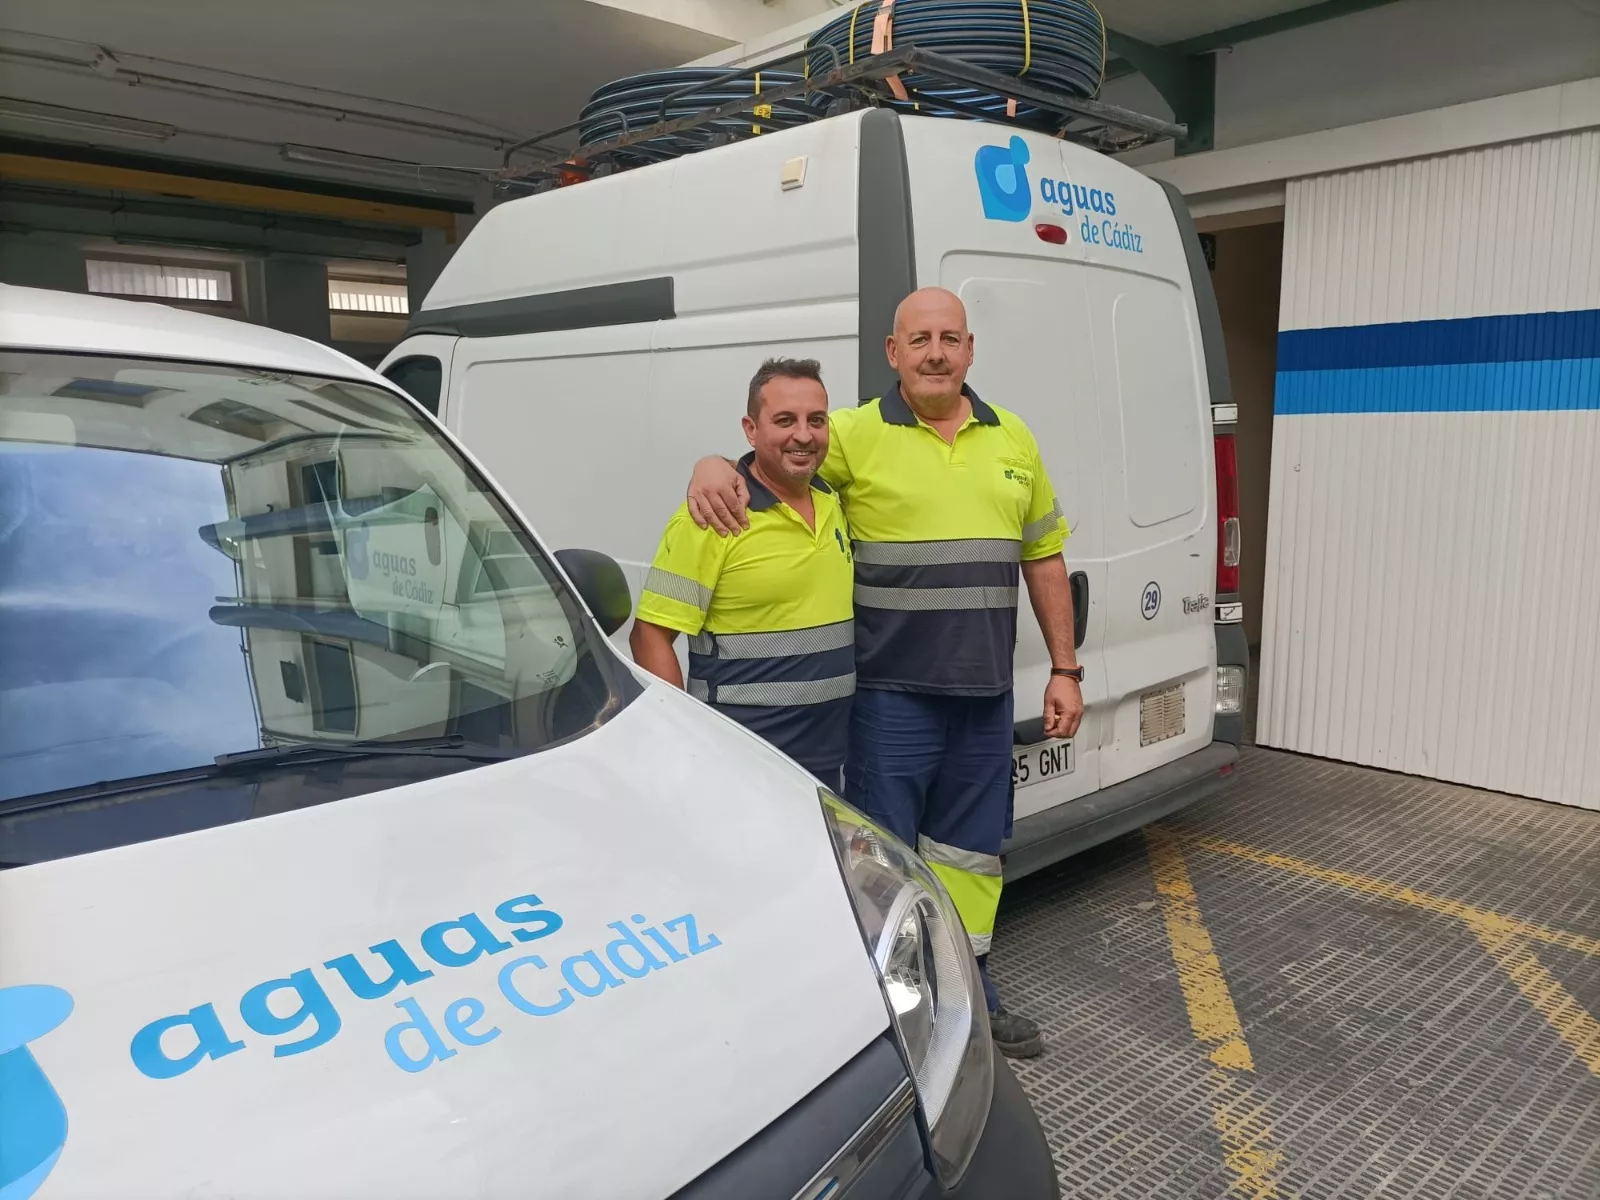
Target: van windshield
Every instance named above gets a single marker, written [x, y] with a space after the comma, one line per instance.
[227, 592]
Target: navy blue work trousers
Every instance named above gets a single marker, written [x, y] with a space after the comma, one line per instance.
[939, 766]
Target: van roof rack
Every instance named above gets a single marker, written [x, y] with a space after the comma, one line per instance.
[1093, 123]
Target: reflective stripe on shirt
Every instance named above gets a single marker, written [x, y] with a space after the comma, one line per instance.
[942, 527]
[783, 667]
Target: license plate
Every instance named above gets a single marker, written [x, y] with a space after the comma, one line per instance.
[1041, 761]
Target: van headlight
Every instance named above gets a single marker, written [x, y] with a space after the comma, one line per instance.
[930, 981]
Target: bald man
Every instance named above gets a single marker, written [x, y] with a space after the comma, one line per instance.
[948, 504]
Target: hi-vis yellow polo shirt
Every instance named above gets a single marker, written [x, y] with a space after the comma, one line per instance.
[772, 642]
[941, 531]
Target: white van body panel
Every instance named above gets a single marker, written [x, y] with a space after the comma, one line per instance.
[719, 224]
[627, 398]
[1094, 343]
[665, 811]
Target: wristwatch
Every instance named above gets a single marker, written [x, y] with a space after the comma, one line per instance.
[1068, 672]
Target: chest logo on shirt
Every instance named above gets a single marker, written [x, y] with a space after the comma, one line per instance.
[1019, 476]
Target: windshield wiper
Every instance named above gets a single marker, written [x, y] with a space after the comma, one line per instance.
[241, 762]
[450, 746]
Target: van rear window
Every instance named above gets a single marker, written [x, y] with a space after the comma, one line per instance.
[421, 378]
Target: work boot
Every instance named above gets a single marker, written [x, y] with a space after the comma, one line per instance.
[1014, 1036]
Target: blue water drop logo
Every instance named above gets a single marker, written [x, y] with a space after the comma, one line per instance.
[1003, 181]
[33, 1121]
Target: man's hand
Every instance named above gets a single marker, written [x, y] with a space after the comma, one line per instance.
[718, 497]
[1063, 707]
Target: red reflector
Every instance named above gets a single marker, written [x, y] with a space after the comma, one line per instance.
[1227, 515]
[1053, 234]
[1227, 770]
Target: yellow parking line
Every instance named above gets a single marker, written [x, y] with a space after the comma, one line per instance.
[1570, 1020]
[1241, 1119]
[1404, 895]
[1505, 938]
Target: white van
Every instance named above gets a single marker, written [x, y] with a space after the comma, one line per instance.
[591, 342]
[341, 855]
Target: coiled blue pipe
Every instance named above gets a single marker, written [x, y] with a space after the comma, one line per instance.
[1053, 44]
[634, 102]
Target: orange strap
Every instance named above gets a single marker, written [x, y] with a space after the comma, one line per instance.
[883, 39]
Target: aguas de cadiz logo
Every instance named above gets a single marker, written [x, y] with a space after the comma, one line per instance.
[1007, 195]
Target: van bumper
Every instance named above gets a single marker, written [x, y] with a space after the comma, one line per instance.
[1012, 1159]
[858, 1137]
[1056, 833]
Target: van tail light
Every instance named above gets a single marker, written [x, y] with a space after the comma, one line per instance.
[1227, 515]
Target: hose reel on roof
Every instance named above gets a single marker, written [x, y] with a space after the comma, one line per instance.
[635, 102]
[1055, 44]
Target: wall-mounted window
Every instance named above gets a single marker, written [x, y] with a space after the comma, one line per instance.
[379, 297]
[205, 286]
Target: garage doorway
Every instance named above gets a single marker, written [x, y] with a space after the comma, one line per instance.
[1246, 255]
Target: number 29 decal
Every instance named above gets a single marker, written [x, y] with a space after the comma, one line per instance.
[1150, 605]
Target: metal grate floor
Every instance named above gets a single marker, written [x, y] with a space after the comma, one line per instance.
[1349, 984]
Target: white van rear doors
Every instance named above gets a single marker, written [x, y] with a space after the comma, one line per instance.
[1160, 651]
[1033, 355]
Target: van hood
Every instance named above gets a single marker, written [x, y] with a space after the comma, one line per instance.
[590, 972]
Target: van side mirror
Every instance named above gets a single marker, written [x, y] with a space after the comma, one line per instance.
[601, 583]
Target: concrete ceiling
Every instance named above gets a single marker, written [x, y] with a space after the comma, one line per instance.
[415, 80]
[445, 85]
[1164, 21]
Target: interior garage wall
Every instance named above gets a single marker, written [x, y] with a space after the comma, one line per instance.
[34, 260]
[1433, 549]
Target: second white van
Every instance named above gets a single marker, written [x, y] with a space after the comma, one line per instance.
[591, 342]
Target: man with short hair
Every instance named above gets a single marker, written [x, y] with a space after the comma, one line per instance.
[768, 615]
[950, 507]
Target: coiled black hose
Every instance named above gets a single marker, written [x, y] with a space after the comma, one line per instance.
[634, 103]
[1058, 45]
[1054, 44]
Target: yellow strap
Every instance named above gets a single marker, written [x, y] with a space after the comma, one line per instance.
[1027, 56]
[854, 13]
[756, 111]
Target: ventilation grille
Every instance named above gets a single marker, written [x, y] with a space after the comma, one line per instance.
[1161, 715]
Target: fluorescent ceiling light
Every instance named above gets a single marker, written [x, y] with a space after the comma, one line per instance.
[77, 118]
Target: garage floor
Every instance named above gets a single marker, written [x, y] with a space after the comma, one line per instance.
[1326, 982]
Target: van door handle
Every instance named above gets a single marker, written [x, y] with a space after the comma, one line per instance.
[1079, 582]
